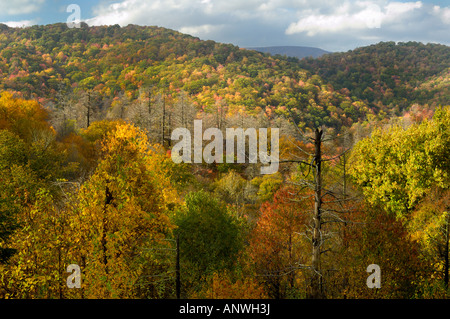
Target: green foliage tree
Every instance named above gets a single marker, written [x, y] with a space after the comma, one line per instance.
[397, 167]
[210, 238]
[406, 172]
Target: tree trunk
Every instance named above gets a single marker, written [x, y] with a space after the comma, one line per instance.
[108, 201]
[88, 112]
[316, 280]
[163, 126]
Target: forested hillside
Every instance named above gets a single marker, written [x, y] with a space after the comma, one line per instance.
[44, 62]
[87, 176]
[389, 75]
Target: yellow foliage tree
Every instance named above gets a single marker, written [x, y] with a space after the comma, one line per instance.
[26, 118]
[42, 245]
[122, 213]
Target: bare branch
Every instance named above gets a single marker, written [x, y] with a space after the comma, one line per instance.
[337, 156]
[294, 161]
[297, 128]
[285, 271]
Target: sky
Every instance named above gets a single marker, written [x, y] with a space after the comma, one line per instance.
[333, 25]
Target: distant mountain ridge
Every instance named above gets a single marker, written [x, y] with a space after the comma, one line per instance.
[292, 51]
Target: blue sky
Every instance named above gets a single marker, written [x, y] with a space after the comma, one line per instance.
[334, 25]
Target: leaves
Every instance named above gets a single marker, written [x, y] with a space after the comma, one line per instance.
[277, 247]
[394, 163]
[83, 180]
[210, 237]
[122, 207]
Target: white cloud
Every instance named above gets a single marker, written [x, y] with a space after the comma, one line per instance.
[199, 18]
[395, 9]
[330, 24]
[442, 13]
[446, 16]
[169, 13]
[200, 30]
[358, 16]
[19, 24]
[16, 7]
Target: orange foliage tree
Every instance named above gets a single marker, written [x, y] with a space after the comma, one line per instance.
[277, 247]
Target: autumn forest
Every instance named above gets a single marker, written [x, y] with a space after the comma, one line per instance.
[87, 177]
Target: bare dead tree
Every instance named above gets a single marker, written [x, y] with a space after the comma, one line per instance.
[144, 112]
[87, 107]
[63, 114]
[183, 112]
[120, 107]
[328, 201]
[155, 112]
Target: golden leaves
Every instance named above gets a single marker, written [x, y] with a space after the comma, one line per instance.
[123, 205]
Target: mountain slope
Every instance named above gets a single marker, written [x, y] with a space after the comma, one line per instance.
[50, 63]
[299, 52]
[388, 73]
[44, 62]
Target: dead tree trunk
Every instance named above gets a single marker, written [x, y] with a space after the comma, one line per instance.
[163, 126]
[88, 111]
[316, 280]
[108, 201]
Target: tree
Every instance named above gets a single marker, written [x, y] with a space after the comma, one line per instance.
[391, 164]
[30, 159]
[406, 172]
[374, 236]
[430, 226]
[317, 216]
[210, 237]
[327, 198]
[232, 188]
[63, 117]
[26, 118]
[12, 158]
[43, 251]
[122, 211]
[276, 247]
[88, 107]
[223, 286]
[142, 112]
[119, 107]
[184, 112]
